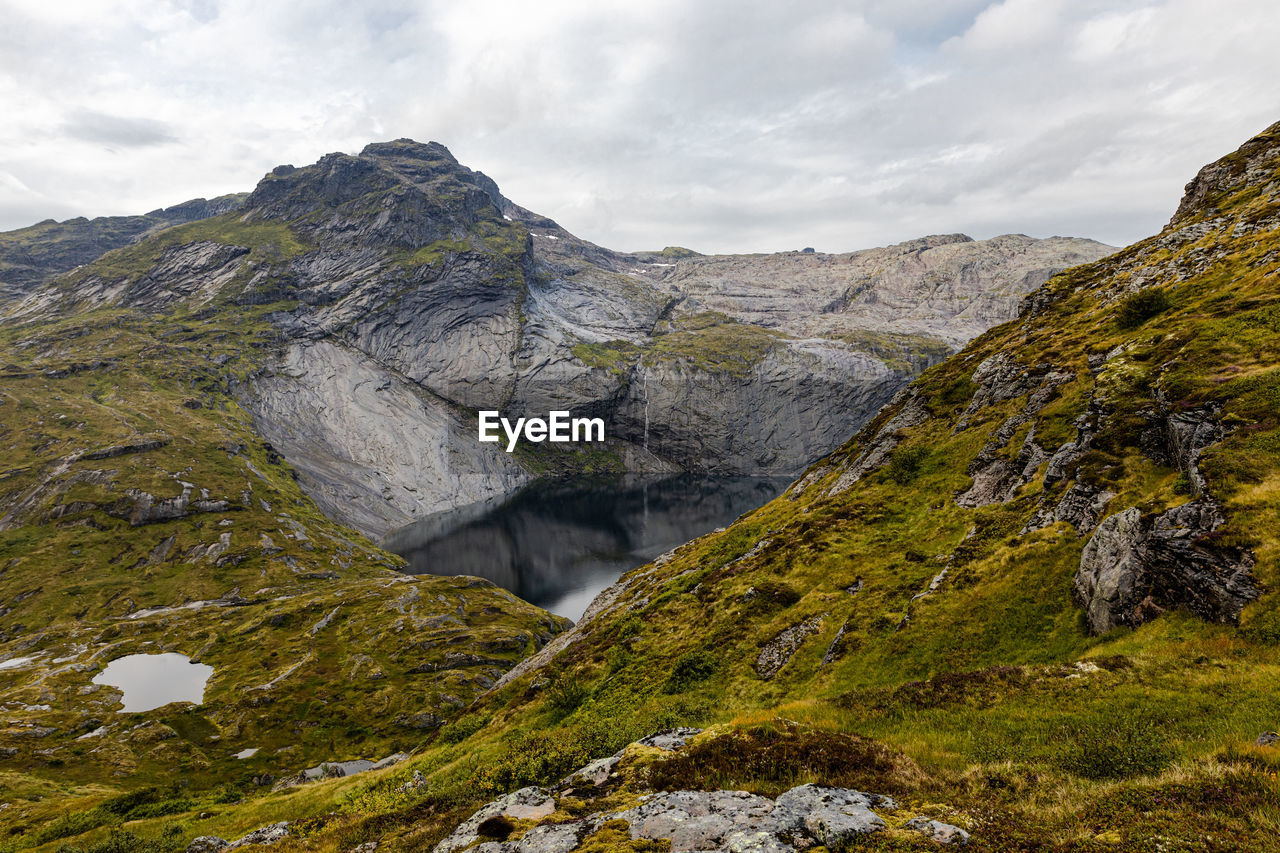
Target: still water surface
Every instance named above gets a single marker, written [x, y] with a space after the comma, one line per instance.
[558, 544]
[149, 681]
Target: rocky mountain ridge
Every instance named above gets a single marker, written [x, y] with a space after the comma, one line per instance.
[39, 253]
[412, 293]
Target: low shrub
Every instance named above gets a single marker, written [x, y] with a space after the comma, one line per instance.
[904, 464]
[1137, 308]
[689, 669]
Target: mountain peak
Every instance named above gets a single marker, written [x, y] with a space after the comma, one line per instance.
[400, 192]
[409, 149]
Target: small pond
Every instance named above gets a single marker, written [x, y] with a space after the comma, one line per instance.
[149, 681]
[558, 544]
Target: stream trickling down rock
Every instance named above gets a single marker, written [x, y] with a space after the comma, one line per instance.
[558, 544]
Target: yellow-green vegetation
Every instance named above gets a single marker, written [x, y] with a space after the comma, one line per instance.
[268, 242]
[870, 631]
[708, 341]
[433, 254]
[142, 514]
[39, 252]
[985, 701]
[713, 341]
[903, 352]
[618, 357]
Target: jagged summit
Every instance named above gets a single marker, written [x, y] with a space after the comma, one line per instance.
[400, 193]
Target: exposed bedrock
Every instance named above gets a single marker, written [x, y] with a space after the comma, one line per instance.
[1134, 568]
[372, 449]
[794, 406]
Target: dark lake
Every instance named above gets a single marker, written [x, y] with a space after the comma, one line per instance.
[558, 544]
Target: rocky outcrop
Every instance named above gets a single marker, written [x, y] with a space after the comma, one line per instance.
[910, 412]
[261, 837]
[1179, 438]
[371, 447]
[946, 287]
[1134, 568]
[936, 830]
[689, 820]
[778, 651]
[1252, 165]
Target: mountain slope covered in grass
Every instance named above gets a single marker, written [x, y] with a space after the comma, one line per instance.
[1035, 596]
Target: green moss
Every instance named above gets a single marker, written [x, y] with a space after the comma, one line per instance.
[902, 352]
[617, 356]
[713, 342]
[432, 255]
[269, 241]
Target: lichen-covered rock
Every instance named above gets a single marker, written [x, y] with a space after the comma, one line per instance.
[782, 648]
[524, 804]
[996, 479]
[269, 834]
[936, 830]
[670, 739]
[697, 820]
[757, 841]
[207, 844]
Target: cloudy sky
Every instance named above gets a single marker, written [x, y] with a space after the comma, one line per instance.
[722, 126]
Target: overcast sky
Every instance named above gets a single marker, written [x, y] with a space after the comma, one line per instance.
[721, 126]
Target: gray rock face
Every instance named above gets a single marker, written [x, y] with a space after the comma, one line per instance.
[1133, 569]
[1179, 438]
[370, 447]
[670, 739]
[690, 820]
[269, 834]
[207, 844]
[946, 286]
[996, 479]
[876, 453]
[694, 820]
[423, 294]
[697, 820]
[524, 804]
[775, 655]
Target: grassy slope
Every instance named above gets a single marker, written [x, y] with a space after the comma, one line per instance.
[992, 706]
[73, 568]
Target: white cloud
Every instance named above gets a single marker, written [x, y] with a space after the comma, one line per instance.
[722, 126]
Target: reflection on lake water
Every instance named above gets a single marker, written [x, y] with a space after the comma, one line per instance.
[149, 681]
[558, 544]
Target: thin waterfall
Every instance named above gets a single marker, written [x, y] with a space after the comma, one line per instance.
[645, 387]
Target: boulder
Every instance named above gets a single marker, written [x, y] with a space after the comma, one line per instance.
[269, 834]
[1134, 568]
[524, 804]
[207, 844]
[943, 833]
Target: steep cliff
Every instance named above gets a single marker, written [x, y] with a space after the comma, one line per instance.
[407, 293]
